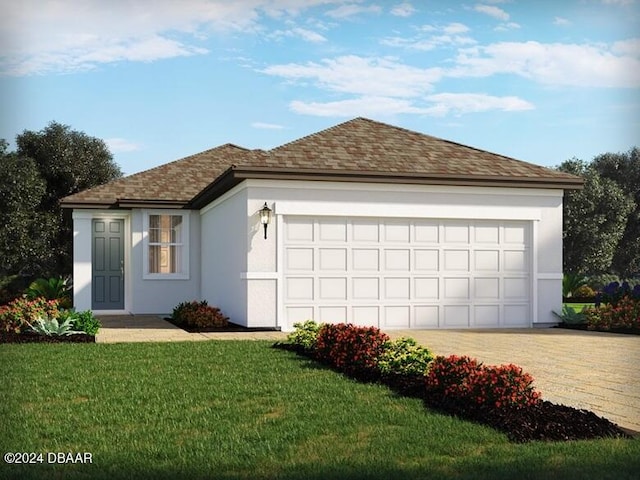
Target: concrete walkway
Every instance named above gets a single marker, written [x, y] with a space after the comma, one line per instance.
[590, 370]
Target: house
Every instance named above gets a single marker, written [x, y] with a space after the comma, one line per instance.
[372, 224]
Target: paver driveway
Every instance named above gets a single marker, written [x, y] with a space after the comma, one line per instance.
[591, 370]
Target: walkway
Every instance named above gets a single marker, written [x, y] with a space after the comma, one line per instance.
[590, 370]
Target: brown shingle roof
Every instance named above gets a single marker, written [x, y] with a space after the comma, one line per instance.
[357, 150]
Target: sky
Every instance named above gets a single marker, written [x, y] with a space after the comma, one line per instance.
[542, 81]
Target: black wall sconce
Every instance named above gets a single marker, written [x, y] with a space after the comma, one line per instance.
[265, 217]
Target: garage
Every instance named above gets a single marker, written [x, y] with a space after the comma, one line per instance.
[407, 272]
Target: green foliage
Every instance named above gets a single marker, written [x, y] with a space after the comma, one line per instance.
[305, 335]
[85, 321]
[584, 291]
[52, 327]
[624, 315]
[571, 317]
[196, 314]
[59, 288]
[36, 238]
[571, 282]
[405, 357]
[599, 281]
[17, 315]
[594, 219]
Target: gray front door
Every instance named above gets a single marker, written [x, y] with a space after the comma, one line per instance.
[107, 280]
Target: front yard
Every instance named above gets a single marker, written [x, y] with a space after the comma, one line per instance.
[240, 409]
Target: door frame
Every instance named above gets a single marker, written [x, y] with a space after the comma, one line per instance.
[126, 217]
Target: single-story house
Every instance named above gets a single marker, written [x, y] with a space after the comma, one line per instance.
[370, 224]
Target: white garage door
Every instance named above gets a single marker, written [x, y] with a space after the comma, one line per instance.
[407, 273]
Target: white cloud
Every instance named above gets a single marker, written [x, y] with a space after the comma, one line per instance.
[555, 63]
[352, 9]
[492, 11]
[403, 10]
[430, 37]
[368, 106]
[461, 103]
[619, 2]
[561, 22]
[122, 145]
[309, 35]
[351, 74]
[503, 27]
[267, 126]
[69, 35]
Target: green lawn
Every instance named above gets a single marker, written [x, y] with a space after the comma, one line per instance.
[577, 307]
[242, 410]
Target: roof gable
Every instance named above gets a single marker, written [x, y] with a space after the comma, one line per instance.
[356, 150]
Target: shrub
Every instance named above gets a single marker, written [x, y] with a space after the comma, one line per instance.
[571, 282]
[59, 288]
[16, 316]
[598, 282]
[196, 314]
[404, 357]
[305, 335]
[623, 315]
[466, 381]
[615, 291]
[85, 321]
[51, 327]
[351, 349]
[585, 291]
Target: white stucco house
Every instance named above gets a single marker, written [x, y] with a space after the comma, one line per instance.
[371, 224]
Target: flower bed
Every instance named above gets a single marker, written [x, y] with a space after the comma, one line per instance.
[502, 397]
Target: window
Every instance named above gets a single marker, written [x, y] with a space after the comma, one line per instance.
[166, 246]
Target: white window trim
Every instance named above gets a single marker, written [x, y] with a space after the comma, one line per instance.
[184, 275]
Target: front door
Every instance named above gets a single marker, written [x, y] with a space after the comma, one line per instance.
[107, 264]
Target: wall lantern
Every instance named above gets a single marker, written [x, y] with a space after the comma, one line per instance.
[265, 217]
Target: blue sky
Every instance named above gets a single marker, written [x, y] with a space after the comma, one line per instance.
[542, 81]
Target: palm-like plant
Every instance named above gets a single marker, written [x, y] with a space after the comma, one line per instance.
[52, 289]
[571, 282]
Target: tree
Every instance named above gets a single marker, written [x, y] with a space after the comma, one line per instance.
[594, 220]
[47, 166]
[624, 170]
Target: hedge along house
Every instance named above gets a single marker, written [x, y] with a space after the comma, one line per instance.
[371, 224]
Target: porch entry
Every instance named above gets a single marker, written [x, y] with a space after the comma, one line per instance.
[107, 264]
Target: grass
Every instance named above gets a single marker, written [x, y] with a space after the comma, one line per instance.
[577, 307]
[242, 410]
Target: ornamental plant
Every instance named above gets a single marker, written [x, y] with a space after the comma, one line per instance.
[464, 380]
[623, 315]
[196, 314]
[85, 321]
[51, 327]
[16, 316]
[351, 349]
[612, 293]
[304, 336]
[404, 357]
[59, 288]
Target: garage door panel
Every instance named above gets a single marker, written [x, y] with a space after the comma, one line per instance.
[299, 288]
[426, 316]
[332, 230]
[332, 288]
[299, 259]
[366, 316]
[407, 273]
[456, 260]
[367, 288]
[396, 260]
[397, 316]
[365, 231]
[396, 288]
[455, 316]
[396, 232]
[333, 259]
[456, 288]
[332, 314]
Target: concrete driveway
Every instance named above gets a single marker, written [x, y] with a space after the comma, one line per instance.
[591, 370]
[595, 371]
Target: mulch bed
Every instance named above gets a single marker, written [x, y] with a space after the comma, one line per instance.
[626, 331]
[544, 422]
[31, 337]
[230, 327]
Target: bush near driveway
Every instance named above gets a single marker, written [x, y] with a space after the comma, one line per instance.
[617, 308]
[196, 314]
[16, 316]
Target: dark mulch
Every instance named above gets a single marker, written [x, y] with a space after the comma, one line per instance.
[31, 337]
[584, 328]
[230, 327]
[544, 422]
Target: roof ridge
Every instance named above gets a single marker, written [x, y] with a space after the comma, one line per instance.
[314, 134]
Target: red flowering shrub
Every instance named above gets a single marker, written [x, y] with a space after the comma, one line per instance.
[199, 315]
[624, 314]
[463, 379]
[15, 315]
[351, 349]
